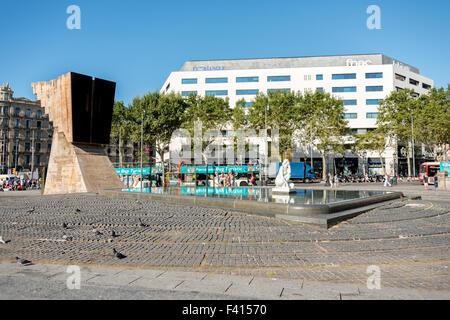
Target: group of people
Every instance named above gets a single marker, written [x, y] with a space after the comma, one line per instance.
[224, 180]
[426, 181]
[11, 184]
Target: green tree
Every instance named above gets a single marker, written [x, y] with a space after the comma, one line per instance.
[282, 110]
[433, 120]
[120, 128]
[166, 116]
[321, 117]
[374, 140]
[213, 112]
[398, 113]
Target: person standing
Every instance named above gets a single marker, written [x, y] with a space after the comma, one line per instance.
[425, 181]
[336, 180]
[330, 178]
[435, 182]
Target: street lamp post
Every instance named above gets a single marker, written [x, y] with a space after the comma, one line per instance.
[266, 145]
[3, 151]
[311, 148]
[142, 147]
[412, 136]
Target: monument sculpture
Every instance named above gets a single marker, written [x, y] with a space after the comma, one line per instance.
[283, 186]
[80, 108]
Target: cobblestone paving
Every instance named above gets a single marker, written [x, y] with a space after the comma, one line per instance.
[408, 239]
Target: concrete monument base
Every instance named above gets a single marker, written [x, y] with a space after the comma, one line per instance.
[283, 190]
[80, 108]
[76, 168]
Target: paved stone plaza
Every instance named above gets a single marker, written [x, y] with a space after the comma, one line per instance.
[407, 239]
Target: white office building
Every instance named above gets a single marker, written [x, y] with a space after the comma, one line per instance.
[360, 80]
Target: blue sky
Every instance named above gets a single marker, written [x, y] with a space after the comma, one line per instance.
[137, 43]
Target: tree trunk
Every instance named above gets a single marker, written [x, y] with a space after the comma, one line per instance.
[120, 149]
[409, 161]
[324, 167]
[380, 155]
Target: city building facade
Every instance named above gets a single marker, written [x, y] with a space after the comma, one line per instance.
[362, 81]
[25, 134]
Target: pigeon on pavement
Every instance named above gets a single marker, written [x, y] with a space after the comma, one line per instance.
[67, 238]
[140, 224]
[31, 210]
[64, 225]
[118, 255]
[97, 233]
[23, 262]
[113, 234]
[3, 241]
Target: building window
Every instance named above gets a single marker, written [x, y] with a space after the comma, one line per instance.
[307, 77]
[350, 102]
[27, 147]
[371, 102]
[426, 86]
[374, 88]
[279, 90]
[247, 79]
[38, 160]
[372, 115]
[17, 111]
[188, 93]
[319, 89]
[38, 147]
[16, 134]
[249, 104]
[216, 80]
[27, 135]
[5, 121]
[49, 147]
[319, 76]
[189, 81]
[16, 123]
[28, 124]
[247, 92]
[344, 89]
[27, 159]
[350, 115]
[413, 82]
[39, 124]
[352, 131]
[375, 75]
[400, 77]
[28, 113]
[344, 76]
[38, 114]
[5, 111]
[217, 93]
[278, 78]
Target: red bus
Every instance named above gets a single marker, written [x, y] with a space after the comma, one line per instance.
[430, 169]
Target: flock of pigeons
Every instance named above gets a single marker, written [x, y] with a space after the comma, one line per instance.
[113, 234]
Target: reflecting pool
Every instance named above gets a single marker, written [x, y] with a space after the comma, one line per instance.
[302, 196]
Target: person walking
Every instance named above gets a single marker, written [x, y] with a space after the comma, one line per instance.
[435, 182]
[386, 181]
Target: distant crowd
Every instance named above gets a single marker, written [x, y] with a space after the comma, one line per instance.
[15, 184]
